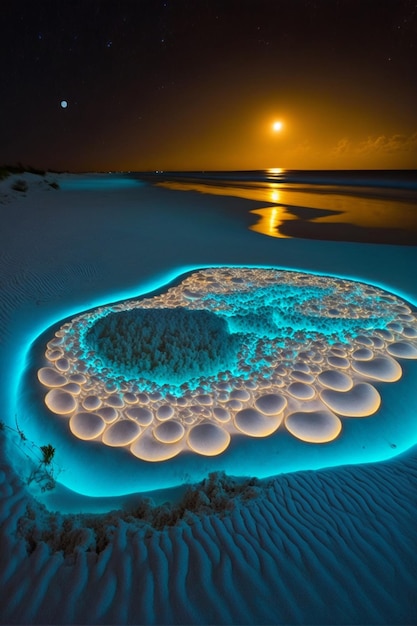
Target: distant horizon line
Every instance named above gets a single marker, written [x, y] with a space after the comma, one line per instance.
[20, 168]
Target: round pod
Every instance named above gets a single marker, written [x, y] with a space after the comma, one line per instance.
[314, 426]
[380, 368]
[360, 401]
[147, 448]
[140, 414]
[169, 431]
[51, 378]
[270, 403]
[333, 379]
[256, 424]
[60, 402]
[208, 439]
[86, 426]
[301, 391]
[403, 350]
[121, 433]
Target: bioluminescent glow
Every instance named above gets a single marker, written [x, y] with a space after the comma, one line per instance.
[98, 182]
[229, 352]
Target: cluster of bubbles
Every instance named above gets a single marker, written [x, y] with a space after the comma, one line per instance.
[312, 349]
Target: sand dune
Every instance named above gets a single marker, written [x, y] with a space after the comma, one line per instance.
[331, 546]
[334, 546]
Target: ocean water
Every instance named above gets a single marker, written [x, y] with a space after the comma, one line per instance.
[360, 206]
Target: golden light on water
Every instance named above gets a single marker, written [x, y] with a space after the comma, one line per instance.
[270, 220]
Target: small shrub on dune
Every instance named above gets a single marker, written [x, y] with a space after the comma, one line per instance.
[48, 453]
[20, 185]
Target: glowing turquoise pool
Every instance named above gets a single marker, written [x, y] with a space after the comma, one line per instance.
[249, 370]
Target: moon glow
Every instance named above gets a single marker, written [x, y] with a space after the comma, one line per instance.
[64, 104]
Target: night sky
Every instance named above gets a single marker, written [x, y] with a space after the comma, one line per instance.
[198, 84]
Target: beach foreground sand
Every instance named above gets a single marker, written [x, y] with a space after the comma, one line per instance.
[331, 546]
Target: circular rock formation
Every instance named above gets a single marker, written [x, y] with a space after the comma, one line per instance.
[227, 352]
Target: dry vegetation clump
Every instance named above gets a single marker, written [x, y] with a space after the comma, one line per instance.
[218, 495]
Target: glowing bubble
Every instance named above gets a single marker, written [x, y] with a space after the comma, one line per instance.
[115, 401]
[169, 432]
[164, 412]
[141, 415]
[271, 404]
[130, 398]
[335, 380]
[240, 394]
[221, 415]
[256, 424]
[121, 433]
[301, 391]
[108, 413]
[302, 377]
[338, 361]
[314, 426]
[403, 350]
[410, 332]
[382, 368]
[360, 401]
[86, 425]
[363, 354]
[208, 439]
[53, 355]
[64, 104]
[73, 388]
[60, 402]
[91, 403]
[62, 364]
[51, 378]
[147, 448]
[204, 399]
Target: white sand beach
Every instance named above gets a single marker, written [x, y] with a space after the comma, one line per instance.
[335, 545]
